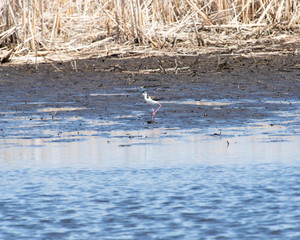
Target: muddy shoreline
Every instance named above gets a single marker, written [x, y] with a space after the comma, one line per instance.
[105, 94]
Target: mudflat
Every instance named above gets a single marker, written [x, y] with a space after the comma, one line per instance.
[105, 94]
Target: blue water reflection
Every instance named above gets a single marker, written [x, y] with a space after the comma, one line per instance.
[152, 148]
[143, 185]
[257, 201]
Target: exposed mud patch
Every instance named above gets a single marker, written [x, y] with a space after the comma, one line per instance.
[103, 95]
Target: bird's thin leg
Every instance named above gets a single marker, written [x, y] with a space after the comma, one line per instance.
[157, 108]
[153, 114]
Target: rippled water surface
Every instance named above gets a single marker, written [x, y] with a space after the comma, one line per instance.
[154, 184]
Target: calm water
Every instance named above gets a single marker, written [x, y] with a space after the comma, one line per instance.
[155, 184]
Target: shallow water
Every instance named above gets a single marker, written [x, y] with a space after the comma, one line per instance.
[240, 183]
[257, 201]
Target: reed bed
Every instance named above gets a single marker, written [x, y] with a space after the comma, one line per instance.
[104, 27]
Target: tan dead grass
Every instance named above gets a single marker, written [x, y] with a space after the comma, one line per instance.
[40, 30]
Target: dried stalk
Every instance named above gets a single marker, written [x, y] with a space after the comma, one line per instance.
[71, 26]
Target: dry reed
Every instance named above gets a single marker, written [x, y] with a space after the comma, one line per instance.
[104, 27]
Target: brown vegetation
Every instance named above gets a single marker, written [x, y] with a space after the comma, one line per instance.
[80, 28]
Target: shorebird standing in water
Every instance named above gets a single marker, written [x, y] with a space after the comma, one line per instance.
[151, 102]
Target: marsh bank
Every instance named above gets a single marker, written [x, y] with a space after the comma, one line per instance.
[104, 94]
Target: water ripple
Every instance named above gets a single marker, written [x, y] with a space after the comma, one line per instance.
[210, 202]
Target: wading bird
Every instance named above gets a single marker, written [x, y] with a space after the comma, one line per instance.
[151, 102]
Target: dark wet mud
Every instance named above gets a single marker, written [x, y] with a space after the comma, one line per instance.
[105, 94]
